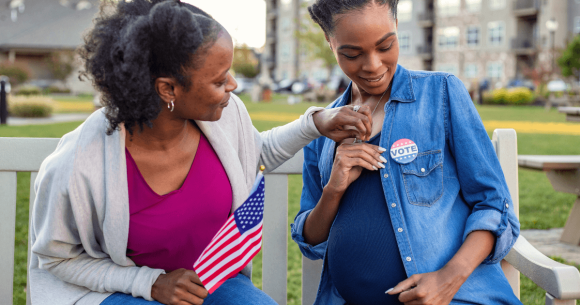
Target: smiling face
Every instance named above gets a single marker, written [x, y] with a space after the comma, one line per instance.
[211, 83]
[366, 47]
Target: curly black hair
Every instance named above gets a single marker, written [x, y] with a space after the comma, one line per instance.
[324, 11]
[132, 43]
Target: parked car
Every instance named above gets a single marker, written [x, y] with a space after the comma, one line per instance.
[285, 86]
[244, 85]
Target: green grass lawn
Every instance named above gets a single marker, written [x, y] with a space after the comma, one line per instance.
[540, 206]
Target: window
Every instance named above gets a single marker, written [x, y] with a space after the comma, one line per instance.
[495, 69]
[473, 5]
[448, 7]
[404, 41]
[496, 31]
[496, 4]
[470, 71]
[285, 54]
[576, 25]
[449, 68]
[472, 36]
[405, 10]
[448, 37]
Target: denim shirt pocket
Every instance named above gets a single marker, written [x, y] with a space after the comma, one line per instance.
[423, 178]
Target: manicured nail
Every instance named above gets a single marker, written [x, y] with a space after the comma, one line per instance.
[389, 290]
[383, 159]
[382, 149]
[375, 168]
[381, 165]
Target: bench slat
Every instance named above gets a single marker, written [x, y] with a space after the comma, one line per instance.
[7, 234]
[30, 205]
[311, 271]
[275, 236]
[25, 154]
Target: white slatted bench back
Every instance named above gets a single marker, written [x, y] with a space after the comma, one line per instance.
[16, 155]
[26, 155]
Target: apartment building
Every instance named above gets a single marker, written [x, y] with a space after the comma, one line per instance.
[473, 39]
[493, 39]
[283, 56]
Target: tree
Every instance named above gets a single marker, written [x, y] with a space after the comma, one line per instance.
[61, 64]
[245, 63]
[312, 38]
[569, 62]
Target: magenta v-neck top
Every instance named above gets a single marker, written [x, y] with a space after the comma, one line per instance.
[170, 231]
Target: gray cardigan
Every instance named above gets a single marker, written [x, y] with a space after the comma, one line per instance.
[80, 219]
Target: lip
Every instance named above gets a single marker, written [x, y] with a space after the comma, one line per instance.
[373, 80]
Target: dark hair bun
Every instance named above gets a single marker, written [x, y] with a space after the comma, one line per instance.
[323, 11]
[133, 43]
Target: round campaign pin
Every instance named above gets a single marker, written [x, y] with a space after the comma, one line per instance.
[404, 151]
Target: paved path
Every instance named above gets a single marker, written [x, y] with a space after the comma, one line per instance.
[548, 242]
[55, 118]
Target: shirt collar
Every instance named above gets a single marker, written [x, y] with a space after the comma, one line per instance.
[402, 88]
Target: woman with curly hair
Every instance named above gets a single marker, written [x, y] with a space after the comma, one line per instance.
[130, 199]
[432, 224]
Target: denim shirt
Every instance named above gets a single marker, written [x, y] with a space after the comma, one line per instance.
[453, 187]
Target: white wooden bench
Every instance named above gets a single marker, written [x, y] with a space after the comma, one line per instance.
[561, 282]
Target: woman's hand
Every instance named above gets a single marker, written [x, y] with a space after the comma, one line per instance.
[434, 288]
[179, 287]
[343, 122]
[349, 161]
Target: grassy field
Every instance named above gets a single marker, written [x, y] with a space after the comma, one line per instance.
[540, 206]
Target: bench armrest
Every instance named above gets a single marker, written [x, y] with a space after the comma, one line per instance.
[561, 281]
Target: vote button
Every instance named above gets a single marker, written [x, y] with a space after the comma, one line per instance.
[404, 151]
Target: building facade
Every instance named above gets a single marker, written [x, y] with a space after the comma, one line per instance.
[498, 40]
[283, 56]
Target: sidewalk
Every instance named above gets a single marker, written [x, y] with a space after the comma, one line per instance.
[55, 118]
[548, 242]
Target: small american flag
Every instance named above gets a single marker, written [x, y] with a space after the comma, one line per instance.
[236, 243]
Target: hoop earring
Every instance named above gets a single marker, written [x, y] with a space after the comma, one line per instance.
[172, 106]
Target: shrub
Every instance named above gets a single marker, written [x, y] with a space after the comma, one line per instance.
[56, 89]
[500, 96]
[487, 98]
[28, 90]
[16, 73]
[31, 107]
[519, 96]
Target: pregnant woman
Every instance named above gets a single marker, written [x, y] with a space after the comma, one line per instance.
[430, 222]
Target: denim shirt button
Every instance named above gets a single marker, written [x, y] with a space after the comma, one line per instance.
[408, 258]
[386, 176]
[507, 205]
[422, 170]
[393, 205]
[400, 230]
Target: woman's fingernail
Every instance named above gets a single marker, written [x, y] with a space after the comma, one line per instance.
[381, 165]
[389, 290]
[382, 149]
[375, 168]
[383, 159]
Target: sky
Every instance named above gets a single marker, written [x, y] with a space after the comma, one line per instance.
[245, 20]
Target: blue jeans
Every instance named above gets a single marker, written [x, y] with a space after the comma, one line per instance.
[235, 291]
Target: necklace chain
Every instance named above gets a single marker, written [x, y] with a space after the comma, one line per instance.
[377, 105]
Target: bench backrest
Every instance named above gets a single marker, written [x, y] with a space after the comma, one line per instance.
[26, 155]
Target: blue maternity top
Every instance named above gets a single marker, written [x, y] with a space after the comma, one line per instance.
[360, 273]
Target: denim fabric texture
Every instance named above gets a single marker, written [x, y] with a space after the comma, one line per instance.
[235, 291]
[454, 186]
